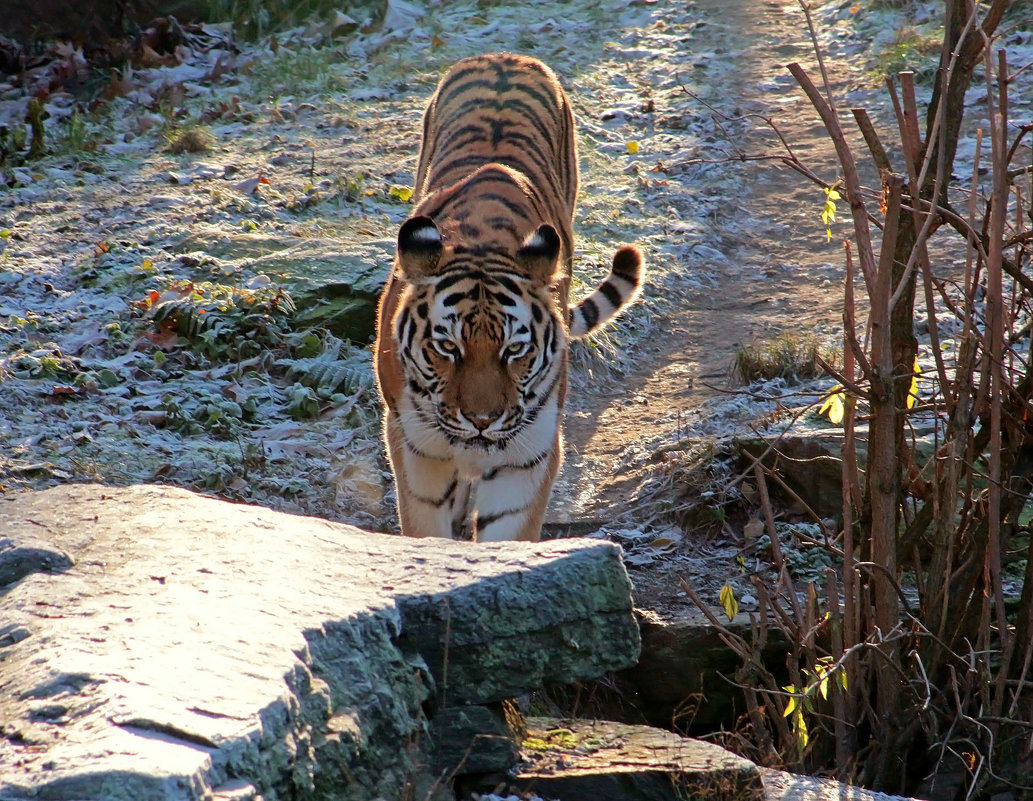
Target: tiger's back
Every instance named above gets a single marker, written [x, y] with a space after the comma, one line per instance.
[503, 109]
[474, 321]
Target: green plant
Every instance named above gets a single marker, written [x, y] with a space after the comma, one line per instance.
[35, 116]
[805, 699]
[337, 368]
[221, 321]
[302, 402]
[789, 356]
[254, 19]
[911, 50]
[352, 187]
[12, 145]
[828, 212]
[75, 137]
[290, 71]
[202, 412]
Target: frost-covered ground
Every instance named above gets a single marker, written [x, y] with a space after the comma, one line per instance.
[146, 325]
[141, 339]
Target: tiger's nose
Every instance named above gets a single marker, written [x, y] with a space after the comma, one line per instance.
[482, 421]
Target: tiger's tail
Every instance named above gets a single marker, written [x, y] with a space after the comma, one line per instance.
[621, 287]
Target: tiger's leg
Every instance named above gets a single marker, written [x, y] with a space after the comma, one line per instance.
[511, 501]
[428, 488]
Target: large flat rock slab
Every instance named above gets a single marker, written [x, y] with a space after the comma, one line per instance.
[607, 761]
[165, 645]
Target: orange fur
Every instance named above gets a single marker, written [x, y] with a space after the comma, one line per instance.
[471, 352]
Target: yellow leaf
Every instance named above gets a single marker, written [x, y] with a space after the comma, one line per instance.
[790, 706]
[728, 601]
[823, 687]
[800, 725]
[633, 148]
[828, 214]
[842, 679]
[834, 405]
[403, 193]
[912, 393]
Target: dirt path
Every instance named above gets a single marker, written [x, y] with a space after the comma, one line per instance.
[765, 267]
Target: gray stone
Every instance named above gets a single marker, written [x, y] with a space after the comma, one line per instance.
[682, 674]
[472, 739]
[198, 647]
[28, 555]
[518, 614]
[605, 761]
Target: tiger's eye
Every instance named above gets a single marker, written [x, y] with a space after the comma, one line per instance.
[446, 348]
[515, 350]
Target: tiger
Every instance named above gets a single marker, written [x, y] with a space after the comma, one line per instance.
[474, 322]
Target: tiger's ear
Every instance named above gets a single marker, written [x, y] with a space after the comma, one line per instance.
[539, 253]
[419, 247]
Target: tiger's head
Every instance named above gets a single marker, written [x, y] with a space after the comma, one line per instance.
[478, 332]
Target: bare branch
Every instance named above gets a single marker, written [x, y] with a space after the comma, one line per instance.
[851, 180]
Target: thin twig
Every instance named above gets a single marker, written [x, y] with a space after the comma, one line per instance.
[851, 180]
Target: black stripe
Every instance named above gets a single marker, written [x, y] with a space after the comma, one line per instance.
[590, 311]
[530, 464]
[475, 133]
[417, 452]
[503, 224]
[484, 522]
[439, 502]
[612, 294]
[408, 323]
[507, 283]
[531, 414]
[450, 279]
[516, 209]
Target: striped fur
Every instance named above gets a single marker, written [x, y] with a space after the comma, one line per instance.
[474, 321]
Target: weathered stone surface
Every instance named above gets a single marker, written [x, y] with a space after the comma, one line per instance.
[605, 761]
[518, 613]
[472, 739]
[196, 646]
[782, 786]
